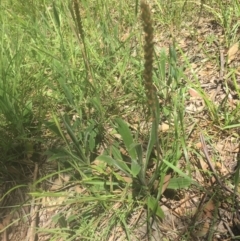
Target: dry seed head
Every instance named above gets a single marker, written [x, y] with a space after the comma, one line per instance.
[148, 57]
[78, 19]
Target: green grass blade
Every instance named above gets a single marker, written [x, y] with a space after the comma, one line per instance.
[121, 165]
[153, 205]
[126, 135]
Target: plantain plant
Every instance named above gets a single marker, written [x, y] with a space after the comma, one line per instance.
[159, 150]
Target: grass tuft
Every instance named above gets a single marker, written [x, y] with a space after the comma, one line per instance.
[76, 147]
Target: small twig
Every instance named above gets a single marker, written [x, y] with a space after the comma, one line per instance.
[33, 212]
[221, 74]
[222, 63]
[205, 151]
[225, 223]
[235, 194]
[213, 221]
[237, 215]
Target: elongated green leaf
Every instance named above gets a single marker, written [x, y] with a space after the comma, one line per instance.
[135, 168]
[178, 183]
[177, 170]
[9, 191]
[80, 151]
[116, 153]
[97, 105]
[100, 182]
[117, 163]
[136, 165]
[162, 67]
[141, 175]
[90, 137]
[27, 111]
[151, 143]
[53, 127]
[232, 126]
[139, 152]
[126, 135]
[56, 128]
[153, 205]
[56, 15]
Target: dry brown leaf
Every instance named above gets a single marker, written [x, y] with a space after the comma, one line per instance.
[166, 182]
[125, 36]
[65, 177]
[219, 147]
[78, 189]
[208, 208]
[203, 164]
[98, 167]
[218, 166]
[213, 179]
[232, 52]
[127, 179]
[7, 220]
[204, 219]
[235, 148]
[199, 176]
[193, 93]
[191, 108]
[202, 230]
[56, 184]
[164, 127]
[198, 145]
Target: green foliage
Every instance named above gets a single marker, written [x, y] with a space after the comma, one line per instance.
[76, 91]
[137, 166]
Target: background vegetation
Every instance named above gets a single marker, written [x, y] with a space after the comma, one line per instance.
[77, 127]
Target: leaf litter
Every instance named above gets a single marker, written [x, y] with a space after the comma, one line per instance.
[188, 211]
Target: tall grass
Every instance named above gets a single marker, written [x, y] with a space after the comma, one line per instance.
[77, 89]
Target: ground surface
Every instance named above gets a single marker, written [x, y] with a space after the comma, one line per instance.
[56, 204]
